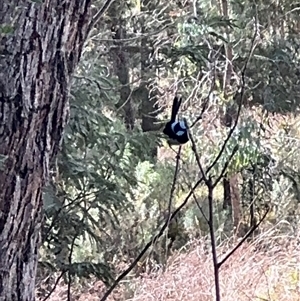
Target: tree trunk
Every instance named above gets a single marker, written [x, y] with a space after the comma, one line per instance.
[230, 185]
[120, 61]
[39, 50]
[148, 85]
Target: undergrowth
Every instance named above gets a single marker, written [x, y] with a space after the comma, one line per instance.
[265, 268]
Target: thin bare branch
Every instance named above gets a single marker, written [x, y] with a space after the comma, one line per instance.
[101, 12]
[155, 238]
[210, 188]
[55, 285]
[243, 239]
[219, 178]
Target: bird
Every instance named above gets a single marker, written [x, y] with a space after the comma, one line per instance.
[176, 130]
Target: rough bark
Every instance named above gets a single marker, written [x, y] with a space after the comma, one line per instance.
[36, 62]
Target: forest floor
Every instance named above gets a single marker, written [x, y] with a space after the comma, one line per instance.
[267, 269]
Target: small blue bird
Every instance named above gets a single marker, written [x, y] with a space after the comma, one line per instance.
[176, 130]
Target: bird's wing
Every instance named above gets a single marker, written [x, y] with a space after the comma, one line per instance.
[175, 107]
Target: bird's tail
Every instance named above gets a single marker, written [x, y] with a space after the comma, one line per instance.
[175, 108]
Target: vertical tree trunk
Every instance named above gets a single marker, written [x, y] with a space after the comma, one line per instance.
[148, 86]
[120, 62]
[37, 58]
[231, 189]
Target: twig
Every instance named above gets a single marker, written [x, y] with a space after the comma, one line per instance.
[55, 285]
[157, 236]
[200, 208]
[210, 185]
[243, 239]
[69, 269]
[206, 101]
[210, 188]
[101, 12]
[243, 85]
[173, 187]
[226, 166]
[194, 149]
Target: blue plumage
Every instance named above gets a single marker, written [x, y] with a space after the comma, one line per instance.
[176, 129]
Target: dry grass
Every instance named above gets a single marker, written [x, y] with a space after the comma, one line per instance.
[266, 269]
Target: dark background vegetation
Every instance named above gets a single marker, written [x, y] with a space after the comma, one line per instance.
[109, 190]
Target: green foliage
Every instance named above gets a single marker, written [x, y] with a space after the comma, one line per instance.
[98, 186]
[109, 195]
